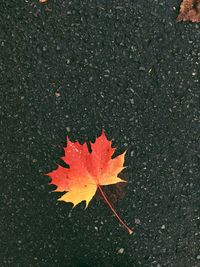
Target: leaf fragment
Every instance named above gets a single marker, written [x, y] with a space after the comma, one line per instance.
[189, 11]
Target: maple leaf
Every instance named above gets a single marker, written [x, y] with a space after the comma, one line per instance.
[189, 11]
[87, 172]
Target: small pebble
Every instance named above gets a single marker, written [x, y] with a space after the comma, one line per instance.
[120, 251]
[68, 129]
[58, 48]
[57, 94]
[137, 221]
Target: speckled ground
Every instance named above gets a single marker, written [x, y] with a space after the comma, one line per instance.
[75, 67]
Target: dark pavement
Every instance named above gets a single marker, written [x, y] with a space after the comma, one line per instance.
[77, 67]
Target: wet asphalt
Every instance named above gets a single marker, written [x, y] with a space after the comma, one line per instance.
[75, 68]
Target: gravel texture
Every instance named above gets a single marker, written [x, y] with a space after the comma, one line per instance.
[77, 67]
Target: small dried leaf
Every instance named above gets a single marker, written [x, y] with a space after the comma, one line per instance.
[189, 11]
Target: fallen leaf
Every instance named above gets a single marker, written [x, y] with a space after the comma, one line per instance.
[87, 172]
[189, 11]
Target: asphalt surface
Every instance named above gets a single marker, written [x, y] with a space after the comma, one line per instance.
[75, 68]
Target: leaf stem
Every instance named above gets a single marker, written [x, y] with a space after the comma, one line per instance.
[111, 207]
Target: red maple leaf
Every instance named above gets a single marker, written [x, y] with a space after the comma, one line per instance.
[87, 172]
